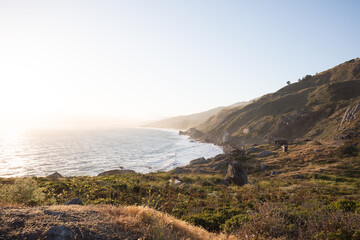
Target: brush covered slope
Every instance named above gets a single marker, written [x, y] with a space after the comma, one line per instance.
[188, 121]
[321, 107]
[309, 192]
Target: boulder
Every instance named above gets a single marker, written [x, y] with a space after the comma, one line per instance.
[198, 161]
[276, 172]
[115, 172]
[54, 213]
[182, 133]
[198, 170]
[179, 170]
[74, 201]
[264, 154]
[59, 233]
[298, 176]
[252, 150]
[236, 174]
[17, 224]
[220, 165]
[263, 166]
[175, 180]
[55, 175]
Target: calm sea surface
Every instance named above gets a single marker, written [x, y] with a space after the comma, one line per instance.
[89, 152]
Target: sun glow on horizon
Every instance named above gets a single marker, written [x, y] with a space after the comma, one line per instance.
[121, 62]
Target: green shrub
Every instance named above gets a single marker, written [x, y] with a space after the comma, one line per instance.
[345, 205]
[235, 222]
[213, 219]
[347, 150]
[24, 191]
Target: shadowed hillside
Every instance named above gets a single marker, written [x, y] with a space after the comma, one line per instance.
[320, 107]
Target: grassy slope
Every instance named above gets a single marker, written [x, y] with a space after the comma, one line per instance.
[312, 107]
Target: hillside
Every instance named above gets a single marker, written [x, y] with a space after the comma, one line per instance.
[309, 192]
[188, 121]
[319, 107]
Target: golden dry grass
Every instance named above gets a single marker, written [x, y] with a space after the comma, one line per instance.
[151, 223]
[104, 221]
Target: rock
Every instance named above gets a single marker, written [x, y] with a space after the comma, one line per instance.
[59, 233]
[220, 165]
[284, 148]
[236, 174]
[264, 154]
[252, 150]
[175, 180]
[194, 133]
[198, 161]
[32, 236]
[198, 170]
[17, 223]
[179, 170]
[55, 175]
[115, 172]
[276, 172]
[53, 213]
[263, 166]
[74, 201]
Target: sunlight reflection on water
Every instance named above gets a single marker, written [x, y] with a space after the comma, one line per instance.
[89, 152]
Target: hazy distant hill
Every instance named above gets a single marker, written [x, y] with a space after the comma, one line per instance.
[188, 121]
[322, 106]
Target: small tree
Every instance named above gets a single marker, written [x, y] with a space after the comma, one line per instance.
[288, 82]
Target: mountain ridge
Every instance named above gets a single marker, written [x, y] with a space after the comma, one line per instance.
[185, 122]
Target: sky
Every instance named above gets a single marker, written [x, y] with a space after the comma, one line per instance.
[125, 62]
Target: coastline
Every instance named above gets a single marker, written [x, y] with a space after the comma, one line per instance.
[161, 163]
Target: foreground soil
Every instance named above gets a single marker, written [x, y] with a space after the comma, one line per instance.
[94, 222]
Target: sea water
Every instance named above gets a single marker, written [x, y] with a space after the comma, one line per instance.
[92, 151]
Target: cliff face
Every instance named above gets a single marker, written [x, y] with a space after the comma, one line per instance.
[319, 107]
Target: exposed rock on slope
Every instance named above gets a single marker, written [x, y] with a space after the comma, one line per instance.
[317, 107]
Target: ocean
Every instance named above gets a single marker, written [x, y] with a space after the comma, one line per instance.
[90, 152]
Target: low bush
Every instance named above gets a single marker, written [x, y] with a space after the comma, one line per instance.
[348, 150]
[22, 191]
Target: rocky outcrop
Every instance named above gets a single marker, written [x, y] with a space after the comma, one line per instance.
[264, 154]
[55, 175]
[350, 113]
[59, 233]
[74, 201]
[194, 133]
[199, 161]
[116, 172]
[236, 174]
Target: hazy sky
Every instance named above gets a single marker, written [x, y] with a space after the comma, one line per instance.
[140, 60]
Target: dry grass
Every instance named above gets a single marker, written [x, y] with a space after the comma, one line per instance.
[153, 224]
[100, 221]
[277, 221]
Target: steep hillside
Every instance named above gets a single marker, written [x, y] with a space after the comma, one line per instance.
[188, 121]
[322, 106]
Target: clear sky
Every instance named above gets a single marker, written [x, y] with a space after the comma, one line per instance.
[143, 60]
